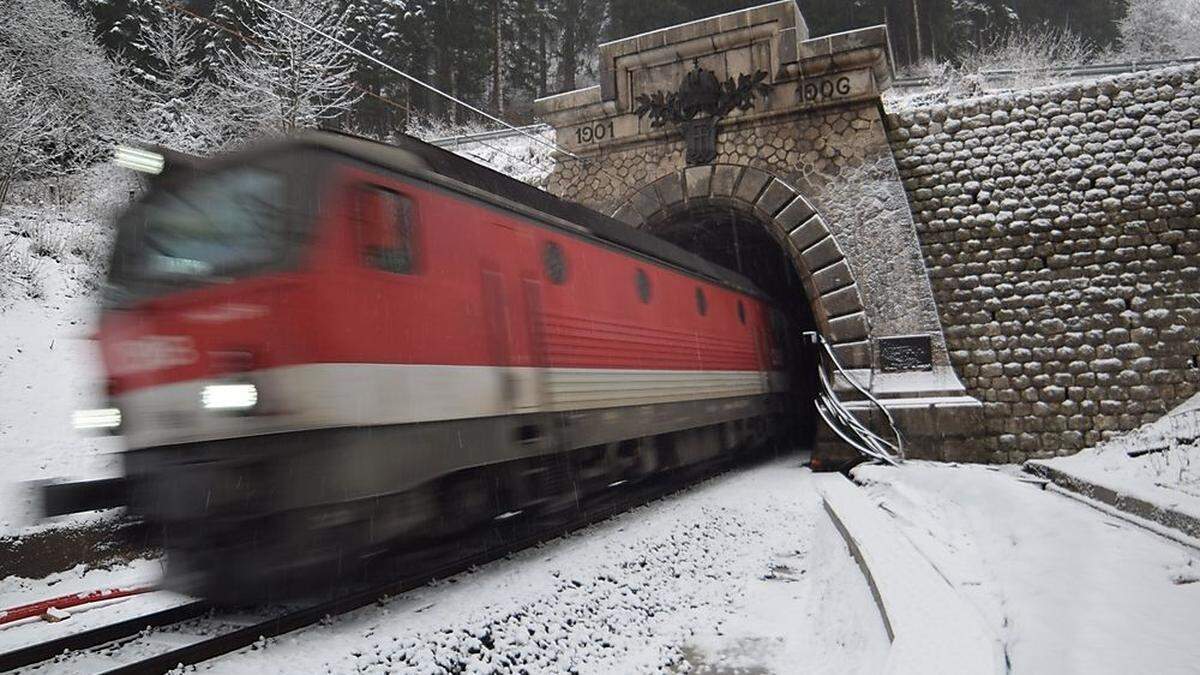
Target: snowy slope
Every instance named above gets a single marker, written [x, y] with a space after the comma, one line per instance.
[48, 367]
[1068, 589]
[1165, 466]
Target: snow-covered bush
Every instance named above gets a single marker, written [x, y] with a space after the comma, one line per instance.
[44, 242]
[20, 272]
[435, 127]
[1029, 54]
[1156, 29]
[515, 155]
[1007, 60]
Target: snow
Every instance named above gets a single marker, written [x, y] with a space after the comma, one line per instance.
[743, 573]
[48, 365]
[933, 629]
[15, 591]
[525, 155]
[1166, 470]
[1068, 588]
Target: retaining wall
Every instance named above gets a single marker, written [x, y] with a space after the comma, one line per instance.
[1061, 236]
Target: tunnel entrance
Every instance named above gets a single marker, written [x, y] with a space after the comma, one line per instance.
[737, 239]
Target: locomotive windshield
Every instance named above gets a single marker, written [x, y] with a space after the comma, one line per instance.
[221, 224]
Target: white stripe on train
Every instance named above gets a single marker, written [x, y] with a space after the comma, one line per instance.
[326, 395]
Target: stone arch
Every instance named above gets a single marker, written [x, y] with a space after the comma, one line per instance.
[793, 222]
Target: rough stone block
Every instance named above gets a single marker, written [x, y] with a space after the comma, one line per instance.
[842, 302]
[833, 277]
[822, 254]
[848, 328]
[812, 231]
[670, 189]
[853, 354]
[775, 197]
[697, 180]
[629, 215]
[751, 185]
[646, 201]
[724, 179]
[794, 214]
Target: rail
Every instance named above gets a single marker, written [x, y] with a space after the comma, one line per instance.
[842, 421]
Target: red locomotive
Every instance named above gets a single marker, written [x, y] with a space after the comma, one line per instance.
[326, 345]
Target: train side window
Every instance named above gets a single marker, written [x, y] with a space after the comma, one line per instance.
[555, 262]
[701, 302]
[642, 281]
[386, 224]
[741, 312]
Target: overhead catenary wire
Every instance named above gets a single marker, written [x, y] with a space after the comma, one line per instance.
[415, 80]
[246, 38]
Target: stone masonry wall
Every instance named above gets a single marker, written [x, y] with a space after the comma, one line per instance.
[1061, 235]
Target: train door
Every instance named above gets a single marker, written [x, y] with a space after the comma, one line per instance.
[512, 308]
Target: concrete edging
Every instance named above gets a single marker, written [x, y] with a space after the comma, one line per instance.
[1185, 524]
[931, 627]
[41, 552]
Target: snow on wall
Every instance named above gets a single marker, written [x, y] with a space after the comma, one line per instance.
[1059, 227]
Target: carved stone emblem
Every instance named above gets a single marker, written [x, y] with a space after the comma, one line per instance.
[700, 136]
[701, 102]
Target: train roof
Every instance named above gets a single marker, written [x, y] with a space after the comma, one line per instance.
[423, 160]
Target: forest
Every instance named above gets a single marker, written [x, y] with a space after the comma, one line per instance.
[507, 52]
[201, 75]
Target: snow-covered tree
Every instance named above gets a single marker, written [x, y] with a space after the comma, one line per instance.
[1161, 29]
[122, 25]
[172, 102]
[34, 130]
[69, 102]
[285, 77]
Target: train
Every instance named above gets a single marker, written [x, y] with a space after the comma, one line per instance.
[322, 347]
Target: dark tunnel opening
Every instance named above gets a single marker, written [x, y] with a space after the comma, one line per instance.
[741, 241]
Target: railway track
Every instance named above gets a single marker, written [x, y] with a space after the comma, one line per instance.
[219, 632]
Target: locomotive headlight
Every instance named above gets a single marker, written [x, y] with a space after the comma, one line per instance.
[229, 396]
[97, 419]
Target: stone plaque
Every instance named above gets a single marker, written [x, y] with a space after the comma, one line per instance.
[905, 352]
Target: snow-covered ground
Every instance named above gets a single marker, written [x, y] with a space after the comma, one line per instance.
[744, 573]
[525, 156]
[48, 367]
[16, 591]
[1159, 462]
[1068, 588]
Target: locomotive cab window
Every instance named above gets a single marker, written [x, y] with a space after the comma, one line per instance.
[701, 302]
[385, 229]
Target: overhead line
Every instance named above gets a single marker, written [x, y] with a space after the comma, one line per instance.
[246, 38]
[345, 45]
[541, 141]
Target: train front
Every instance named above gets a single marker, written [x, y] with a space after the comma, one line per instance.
[207, 322]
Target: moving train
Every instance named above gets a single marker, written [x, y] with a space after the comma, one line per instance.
[323, 346]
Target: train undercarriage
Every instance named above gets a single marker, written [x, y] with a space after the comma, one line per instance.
[273, 517]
